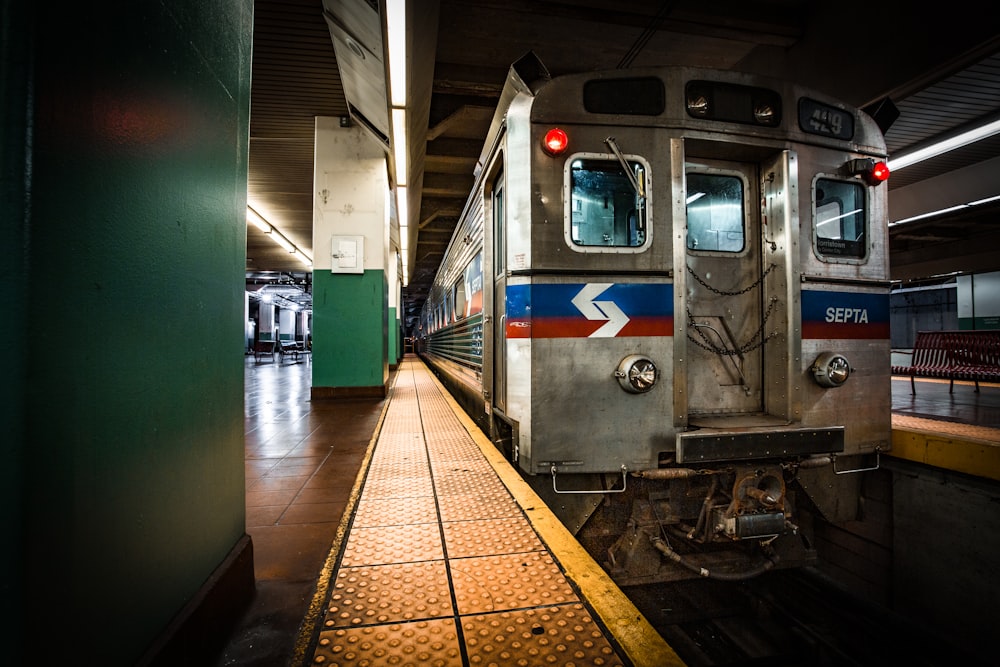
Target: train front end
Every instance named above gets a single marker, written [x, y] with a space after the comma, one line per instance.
[691, 315]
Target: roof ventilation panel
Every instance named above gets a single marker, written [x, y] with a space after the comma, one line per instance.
[356, 31]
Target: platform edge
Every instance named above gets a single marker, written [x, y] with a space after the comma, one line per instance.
[643, 646]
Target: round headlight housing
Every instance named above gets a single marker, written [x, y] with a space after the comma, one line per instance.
[637, 374]
[831, 369]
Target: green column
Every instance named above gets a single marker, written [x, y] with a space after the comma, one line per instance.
[350, 256]
[349, 334]
[129, 192]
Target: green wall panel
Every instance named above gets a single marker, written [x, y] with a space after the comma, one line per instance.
[15, 56]
[135, 241]
[350, 329]
[978, 323]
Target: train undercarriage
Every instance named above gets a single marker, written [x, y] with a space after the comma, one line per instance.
[672, 524]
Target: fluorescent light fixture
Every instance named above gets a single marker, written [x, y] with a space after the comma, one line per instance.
[957, 141]
[942, 211]
[399, 144]
[402, 215]
[258, 221]
[282, 241]
[401, 210]
[984, 201]
[253, 217]
[396, 27]
[301, 256]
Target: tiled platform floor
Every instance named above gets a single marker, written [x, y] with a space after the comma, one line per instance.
[441, 566]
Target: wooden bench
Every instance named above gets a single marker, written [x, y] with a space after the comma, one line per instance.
[954, 355]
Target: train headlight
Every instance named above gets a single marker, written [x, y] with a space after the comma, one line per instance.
[831, 369]
[636, 374]
[764, 113]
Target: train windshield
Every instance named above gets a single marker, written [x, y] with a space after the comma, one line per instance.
[606, 209]
[840, 219]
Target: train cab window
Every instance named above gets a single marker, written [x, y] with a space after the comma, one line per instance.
[840, 219]
[715, 213]
[607, 206]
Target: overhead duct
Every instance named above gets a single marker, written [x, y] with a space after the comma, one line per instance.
[356, 30]
[284, 293]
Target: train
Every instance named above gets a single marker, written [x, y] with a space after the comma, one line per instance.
[666, 300]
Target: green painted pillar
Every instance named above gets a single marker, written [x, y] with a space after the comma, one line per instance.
[124, 151]
[395, 307]
[350, 255]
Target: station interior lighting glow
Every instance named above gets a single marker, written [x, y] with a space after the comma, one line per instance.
[257, 220]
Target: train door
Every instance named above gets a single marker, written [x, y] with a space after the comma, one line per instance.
[499, 281]
[724, 302]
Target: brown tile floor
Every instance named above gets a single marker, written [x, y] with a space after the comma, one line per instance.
[302, 462]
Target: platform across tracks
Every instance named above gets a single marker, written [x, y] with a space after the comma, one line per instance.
[954, 355]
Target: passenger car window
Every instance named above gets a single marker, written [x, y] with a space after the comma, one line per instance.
[840, 219]
[605, 209]
[715, 214]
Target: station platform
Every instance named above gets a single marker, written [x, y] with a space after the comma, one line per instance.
[390, 531]
[450, 559]
[954, 428]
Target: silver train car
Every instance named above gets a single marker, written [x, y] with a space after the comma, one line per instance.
[667, 301]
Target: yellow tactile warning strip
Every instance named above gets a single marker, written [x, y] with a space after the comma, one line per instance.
[965, 448]
[445, 565]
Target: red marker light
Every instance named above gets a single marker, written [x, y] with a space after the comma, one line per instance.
[555, 141]
[879, 172]
[873, 172]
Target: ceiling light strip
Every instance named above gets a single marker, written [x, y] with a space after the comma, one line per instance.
[395, 25]
[257, 220]
[942, 211]
[959, 140]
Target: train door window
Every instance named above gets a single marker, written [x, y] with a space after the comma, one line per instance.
[473, 286]
[461, 303]
[607, 205]
[499, 233]
[715, 213]
[840, 216]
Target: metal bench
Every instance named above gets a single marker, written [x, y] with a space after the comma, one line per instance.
[291, 347]
[954, 355]
[263, 348]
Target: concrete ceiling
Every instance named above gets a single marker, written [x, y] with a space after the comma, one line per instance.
[943, 74]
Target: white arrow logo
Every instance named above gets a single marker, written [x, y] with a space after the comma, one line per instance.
[600, 310]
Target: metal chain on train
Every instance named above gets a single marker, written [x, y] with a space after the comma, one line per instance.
[759, 281]
[755, 341]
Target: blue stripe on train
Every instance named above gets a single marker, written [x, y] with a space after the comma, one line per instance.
[844, 315]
